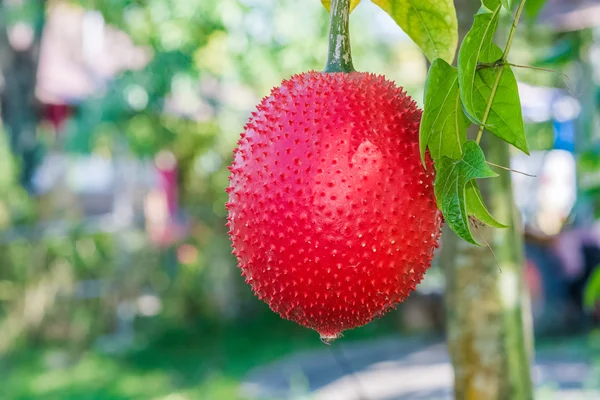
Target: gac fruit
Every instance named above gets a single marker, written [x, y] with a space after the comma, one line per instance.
[332, 216]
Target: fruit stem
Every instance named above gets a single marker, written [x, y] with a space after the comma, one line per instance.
[339, 57]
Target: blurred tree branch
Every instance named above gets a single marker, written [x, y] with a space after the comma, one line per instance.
[18, 72]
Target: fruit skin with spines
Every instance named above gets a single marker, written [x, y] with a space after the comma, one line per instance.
[331, 214]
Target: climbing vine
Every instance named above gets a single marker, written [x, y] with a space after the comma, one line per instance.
[481, 89]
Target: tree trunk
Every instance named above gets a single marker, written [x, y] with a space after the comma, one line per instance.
[489, 330]
[18, 72]
[487, 309]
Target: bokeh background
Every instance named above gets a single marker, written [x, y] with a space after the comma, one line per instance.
[118, 120]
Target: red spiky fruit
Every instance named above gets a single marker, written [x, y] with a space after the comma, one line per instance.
[331, 214]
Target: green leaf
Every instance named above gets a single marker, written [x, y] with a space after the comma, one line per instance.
[591, 294]
[508, 4]
[444, 124]
[476, 207]
[452, 177]
[505, 118]
[534, 7]
[353, 4]
[476, 48]
[492, 4]
[477, 85]
[431, 24]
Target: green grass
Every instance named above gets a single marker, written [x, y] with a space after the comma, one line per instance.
[205, 364]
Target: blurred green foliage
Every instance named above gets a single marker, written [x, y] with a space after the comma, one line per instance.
[591, 295]
[200, 361]
[175, 363]
[15, 205]
[209, 63]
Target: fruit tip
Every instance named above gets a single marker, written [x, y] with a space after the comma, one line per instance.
[329, 339]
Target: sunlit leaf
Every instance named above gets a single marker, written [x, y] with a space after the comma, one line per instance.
[353, 4]
[476, 48]
[505, 117]
[452, 178]
[444, 124]
[431, 24]
[507, 4]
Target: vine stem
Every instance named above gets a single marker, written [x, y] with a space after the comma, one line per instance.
[513, 30]
[509, 42]
[339, 57]
[489, 105]
[511, 170]
[566, 78]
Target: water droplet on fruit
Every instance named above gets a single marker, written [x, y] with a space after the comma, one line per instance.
[328, 340]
